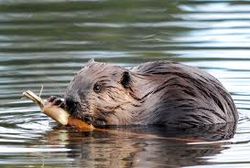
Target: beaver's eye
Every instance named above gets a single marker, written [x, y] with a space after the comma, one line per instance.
[97, 87]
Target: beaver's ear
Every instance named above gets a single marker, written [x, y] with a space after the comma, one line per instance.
[91, 61]
[126, 79]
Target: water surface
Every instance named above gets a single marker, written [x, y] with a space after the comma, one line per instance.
[47, 42]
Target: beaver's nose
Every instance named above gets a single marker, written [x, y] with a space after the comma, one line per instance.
[71, 104]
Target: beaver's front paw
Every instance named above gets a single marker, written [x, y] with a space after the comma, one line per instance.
[57, 101]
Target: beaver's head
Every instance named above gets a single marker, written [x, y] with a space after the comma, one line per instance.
[100, 94]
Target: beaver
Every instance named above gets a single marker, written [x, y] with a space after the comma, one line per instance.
[163, 93]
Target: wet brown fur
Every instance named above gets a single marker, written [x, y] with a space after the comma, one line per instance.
[160, 93]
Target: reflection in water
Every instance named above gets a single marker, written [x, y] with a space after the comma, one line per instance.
[126, 147]
[46, 42]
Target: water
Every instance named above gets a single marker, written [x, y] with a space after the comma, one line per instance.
[46, 42]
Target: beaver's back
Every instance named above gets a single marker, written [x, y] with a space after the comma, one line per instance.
[187, 96]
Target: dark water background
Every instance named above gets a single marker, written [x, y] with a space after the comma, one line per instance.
[46, 42]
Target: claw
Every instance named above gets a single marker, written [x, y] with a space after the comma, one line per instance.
[57, 101]
[51, 99]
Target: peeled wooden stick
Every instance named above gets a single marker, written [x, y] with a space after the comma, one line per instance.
[57, 113]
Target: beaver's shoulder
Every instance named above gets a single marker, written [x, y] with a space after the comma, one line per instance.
[186, 91]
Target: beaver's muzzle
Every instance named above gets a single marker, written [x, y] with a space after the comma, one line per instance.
[71, 105]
